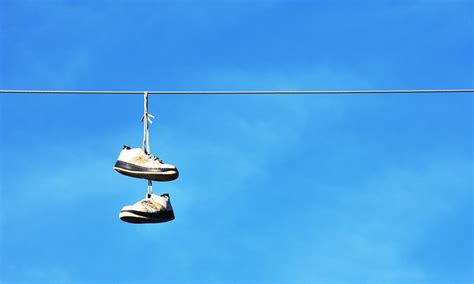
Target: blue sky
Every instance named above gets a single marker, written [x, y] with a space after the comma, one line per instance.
[288, 189]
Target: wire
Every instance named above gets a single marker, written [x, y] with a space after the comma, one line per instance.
[234, 92]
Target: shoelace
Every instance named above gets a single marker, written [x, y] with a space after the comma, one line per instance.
[149, 204]
[155, 158]
[147, 117]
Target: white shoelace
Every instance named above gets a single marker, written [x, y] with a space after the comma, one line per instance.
[146, 118]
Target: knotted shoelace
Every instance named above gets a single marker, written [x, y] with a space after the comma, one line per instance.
[147, 117]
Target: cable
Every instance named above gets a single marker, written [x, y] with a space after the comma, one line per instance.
[234, 92]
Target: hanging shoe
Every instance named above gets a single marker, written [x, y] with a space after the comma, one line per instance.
[136, 163]
[153, 209]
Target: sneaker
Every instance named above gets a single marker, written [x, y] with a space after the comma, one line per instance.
[136, 163]
[153, 209]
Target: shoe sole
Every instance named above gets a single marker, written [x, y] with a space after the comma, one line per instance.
[133, 171]
[134, 218]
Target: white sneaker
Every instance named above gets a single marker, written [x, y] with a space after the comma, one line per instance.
[153, 209]
[136, 163]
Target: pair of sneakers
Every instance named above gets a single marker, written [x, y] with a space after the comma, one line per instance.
[135, 162]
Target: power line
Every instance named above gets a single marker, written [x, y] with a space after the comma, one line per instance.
[235, 92]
